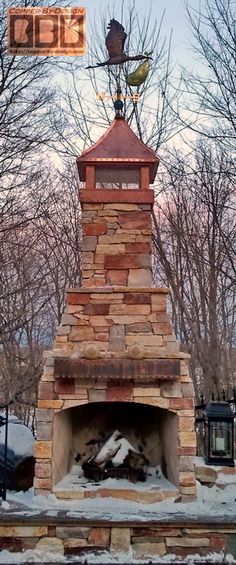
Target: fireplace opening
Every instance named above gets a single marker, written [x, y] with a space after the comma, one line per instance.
[82, 434]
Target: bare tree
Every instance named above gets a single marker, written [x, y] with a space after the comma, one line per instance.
[210, 94]
[38, 261]
[194, 222]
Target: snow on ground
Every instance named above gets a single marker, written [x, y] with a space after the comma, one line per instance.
[212, 503]
[36, 556]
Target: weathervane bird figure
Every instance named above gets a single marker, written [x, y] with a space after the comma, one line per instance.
[115, 41]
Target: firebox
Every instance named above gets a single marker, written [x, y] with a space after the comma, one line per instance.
[115, 410]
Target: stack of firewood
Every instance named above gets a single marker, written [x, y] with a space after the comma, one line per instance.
[117, 459]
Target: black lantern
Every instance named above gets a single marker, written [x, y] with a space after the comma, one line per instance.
[219, 428]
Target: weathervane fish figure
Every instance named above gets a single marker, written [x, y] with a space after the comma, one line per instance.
[115, 41]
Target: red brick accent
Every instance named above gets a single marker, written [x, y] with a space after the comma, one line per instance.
[119, 393]
[117, 277]
[99, 536]
[11, 544]
[217, 542]
[138, 247]
[46, 391]
[96, 309]
[65, 386]
[187, 451]
[113, 195]
[89, 283]
[181, 403]
[95, 229]
[90, 177]
[127, 261]
[144, 178]
[78, 298]
[162, 329]
[135, 220]
[137, 298]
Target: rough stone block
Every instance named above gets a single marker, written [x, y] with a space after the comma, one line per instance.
[82, 333]
[46, 391]
[153, 401]
[138, 247]
[187, 439]
[232, 545]
[78, 298]
[43, 449]
[117, 277]
[72, 403]
[140, 278]
[137, 298]
[206, 474]
[181, 403]
[12, 544]
[97, 395]
[187, 451]
[171, 390]
[65, 385]
[96, 309]
[158, 302]
[44, 431]
[162, 329]
[188, 390]
[111, 250]
[140, 309]
[101, 336]
[186, 463]
[116, 339]
[135, 220]
[186, 424]
[55, 404]
[23, 531]
[145, 340]
[119, 393]
[121, 206]
[146, 391]
[44, 415]
[138, 328]
[125, 238]
[187, 478]
[148, 549]
[69, 319]
[120, 540]
[187, 542]
[64, 532]
[89, 243]
[97, 228]
[99, 537]
[45, 483]
[52, 545]
[126, 261]
[43, 470]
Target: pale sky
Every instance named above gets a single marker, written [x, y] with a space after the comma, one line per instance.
[175, 18]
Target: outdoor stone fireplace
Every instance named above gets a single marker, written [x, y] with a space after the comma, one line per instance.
[116, 367]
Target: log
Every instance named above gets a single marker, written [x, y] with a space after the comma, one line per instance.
[116, 459]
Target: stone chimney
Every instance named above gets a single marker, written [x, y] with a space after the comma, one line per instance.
[115, 350]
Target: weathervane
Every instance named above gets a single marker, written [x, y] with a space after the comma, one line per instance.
[115, 41]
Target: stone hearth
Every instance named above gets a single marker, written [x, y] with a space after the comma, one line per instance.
[116, 363]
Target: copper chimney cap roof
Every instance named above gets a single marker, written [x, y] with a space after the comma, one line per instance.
[118, 147]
